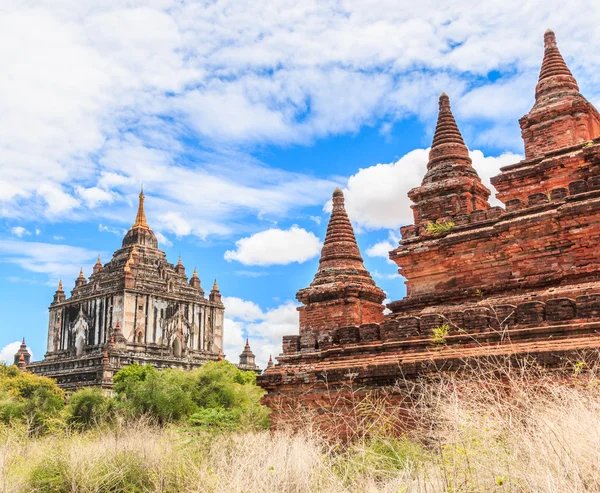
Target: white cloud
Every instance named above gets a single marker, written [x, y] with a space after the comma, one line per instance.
[242, 309]
[276, 247]
[380, 249]
[38, 231]
[376, 197]
[385, 277]
[54, 261]
[162, 239]
[19, 231]
[7, 353]
[93, 196]
[264, 328]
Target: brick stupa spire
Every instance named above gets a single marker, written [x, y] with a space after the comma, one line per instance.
[561, 116]
[451, 185]
[343, 292]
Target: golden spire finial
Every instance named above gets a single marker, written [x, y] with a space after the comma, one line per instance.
[140, 219]
[98, 262]
[81, 276]
[215, 287]
[179, 261]
[60, 286]
[195, 274]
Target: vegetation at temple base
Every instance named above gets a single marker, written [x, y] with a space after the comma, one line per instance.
[511, 429]
[217, 396]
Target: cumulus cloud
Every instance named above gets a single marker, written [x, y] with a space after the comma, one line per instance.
[7, 353]
[376, 197]
[276, 247]
[263, 328]
[93, 196]
[380, 249]
[20, 231]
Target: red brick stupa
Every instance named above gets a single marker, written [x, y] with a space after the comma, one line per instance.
[520, 281]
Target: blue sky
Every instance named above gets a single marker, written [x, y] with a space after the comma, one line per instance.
[240, 118]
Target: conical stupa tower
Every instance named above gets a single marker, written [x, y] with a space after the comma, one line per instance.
[343, 292]
[561, 116]
[451, 185]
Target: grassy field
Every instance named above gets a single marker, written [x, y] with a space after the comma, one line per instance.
[526, 431]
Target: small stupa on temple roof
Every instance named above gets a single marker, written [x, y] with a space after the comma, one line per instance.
[560, 116]
[342, 292]
[451, 185]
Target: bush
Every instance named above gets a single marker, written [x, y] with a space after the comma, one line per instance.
[216, 390]
[88, 407]
[29, 398]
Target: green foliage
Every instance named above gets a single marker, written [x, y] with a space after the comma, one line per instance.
[217, 390]
[28, 398]
[88, 407]
[380, 458]
[439, 227]
[217, 418]
[440, 334]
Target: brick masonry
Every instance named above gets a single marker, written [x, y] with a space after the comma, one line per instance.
[513, 281]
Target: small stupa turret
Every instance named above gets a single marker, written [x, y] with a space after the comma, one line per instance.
[343, 292]
[81, 280]
[451, 185]
[560, 116]
[215, 294]
[179, 268]
[59, 295]
[97, 266]
[195, 281]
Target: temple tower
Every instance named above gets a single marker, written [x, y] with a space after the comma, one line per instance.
[342, 292]
[451, 185]
[558, 133]
[561, 116]
[138, 307]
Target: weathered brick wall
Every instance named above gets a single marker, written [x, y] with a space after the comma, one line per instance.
[545, 243]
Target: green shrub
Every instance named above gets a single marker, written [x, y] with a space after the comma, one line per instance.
[88, 407]
[216, 389]
[28, 397]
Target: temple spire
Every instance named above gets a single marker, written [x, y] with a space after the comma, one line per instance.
[555, 76]
[340, 242]
[561, 116]
[140, 219]
[451, 185]
[342, 292]
[447, 142]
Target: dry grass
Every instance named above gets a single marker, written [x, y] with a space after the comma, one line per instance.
[521, 431]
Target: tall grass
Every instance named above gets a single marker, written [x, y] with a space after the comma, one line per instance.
[520, 430]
